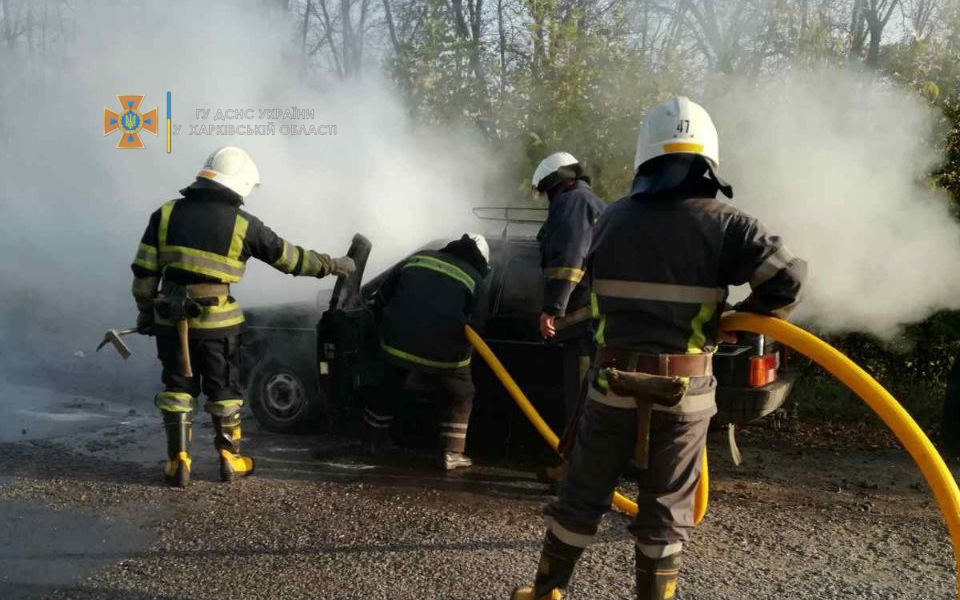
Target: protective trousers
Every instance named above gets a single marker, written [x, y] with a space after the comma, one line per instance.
[216, 370]
[577, 355]
[216, 367]
[603, 447]
[456, 393]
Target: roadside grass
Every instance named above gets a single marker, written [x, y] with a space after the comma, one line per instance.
[817, 397]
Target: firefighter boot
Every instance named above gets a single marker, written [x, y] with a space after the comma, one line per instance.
[176, 471]
[554, 572]
[227, 441]
[657, 577]
[448, 461]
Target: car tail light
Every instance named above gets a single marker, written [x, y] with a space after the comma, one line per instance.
[763, 370]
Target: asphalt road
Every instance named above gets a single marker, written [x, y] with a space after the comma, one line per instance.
[83, 516]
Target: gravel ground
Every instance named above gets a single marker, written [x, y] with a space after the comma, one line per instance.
[795, 521]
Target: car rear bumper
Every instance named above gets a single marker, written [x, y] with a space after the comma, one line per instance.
[739, 405]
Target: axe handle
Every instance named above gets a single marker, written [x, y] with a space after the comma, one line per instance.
[183, 332]
[641, 453]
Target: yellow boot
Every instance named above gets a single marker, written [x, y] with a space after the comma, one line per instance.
[526, 593]
[557, 561]
[233, 466]
[176, 471]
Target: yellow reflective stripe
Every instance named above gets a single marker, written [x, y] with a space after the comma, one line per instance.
[203, 262]
[239, 234]
[223, 314]
[660, 292]
[237, 320]
[594, 305]
[564, 273]
[228, 269]
[683, 147]
[230, 263]
[422, 361]
[227, 407]
[173, 401]
[146, 257]
[165, 211]
[288, 259]
[313, 264]
[229, 403]
[600, 336]
[697, 337]
[435, 264]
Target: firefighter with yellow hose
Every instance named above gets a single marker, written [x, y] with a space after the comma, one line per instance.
[193, 249]
[660, 265]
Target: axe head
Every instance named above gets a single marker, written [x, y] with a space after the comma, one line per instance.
[113, 337]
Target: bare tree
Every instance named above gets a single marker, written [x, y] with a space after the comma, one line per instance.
[920, 16]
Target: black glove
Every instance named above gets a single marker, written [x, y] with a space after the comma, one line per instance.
[145, 318]
[342, 266]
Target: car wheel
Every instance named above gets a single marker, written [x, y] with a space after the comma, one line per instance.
[283, 399]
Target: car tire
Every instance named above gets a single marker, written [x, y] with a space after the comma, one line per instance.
[950, 418]
[284, 399]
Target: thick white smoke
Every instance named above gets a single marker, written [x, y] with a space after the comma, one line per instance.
[74, 206]
[835, 162]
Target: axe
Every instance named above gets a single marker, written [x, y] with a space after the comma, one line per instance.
[113, 337]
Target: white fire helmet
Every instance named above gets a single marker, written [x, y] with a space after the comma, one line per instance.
[482, 245]
[232, 168]
[677, 126]
[551, 165]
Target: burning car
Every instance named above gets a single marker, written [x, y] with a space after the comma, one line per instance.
[309, 363]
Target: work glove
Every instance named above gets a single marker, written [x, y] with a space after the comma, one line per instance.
[342, 266]
[145, 317]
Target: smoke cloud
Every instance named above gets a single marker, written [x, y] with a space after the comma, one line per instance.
[835, 162]
[832, 160]
[74, 206]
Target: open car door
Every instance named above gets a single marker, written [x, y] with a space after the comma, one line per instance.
[342, 332]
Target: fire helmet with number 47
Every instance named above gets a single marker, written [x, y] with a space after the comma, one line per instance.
[671, 138]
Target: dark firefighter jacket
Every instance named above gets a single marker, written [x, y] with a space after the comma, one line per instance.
[205, 237]
[660, 267]
[564, 242]
[427, 301]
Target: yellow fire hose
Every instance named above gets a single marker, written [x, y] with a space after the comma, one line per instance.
[929, 461]
[922, 451]
[622, 502]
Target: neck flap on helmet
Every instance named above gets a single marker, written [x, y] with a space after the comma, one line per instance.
[211, 190]
[678, 176]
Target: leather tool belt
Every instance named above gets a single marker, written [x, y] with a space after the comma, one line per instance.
[198, 290]
[670, 365]
[650, 379]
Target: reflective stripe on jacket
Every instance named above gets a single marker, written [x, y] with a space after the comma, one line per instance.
[660, 269]
[428, 299]
[206, 237]
[564, 242]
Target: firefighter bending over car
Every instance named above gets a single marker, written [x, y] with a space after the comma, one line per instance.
[564, 241]
[660, 266]
[426, 302]
[192, 250]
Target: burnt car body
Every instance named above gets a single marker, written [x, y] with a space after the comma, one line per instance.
[307, 364]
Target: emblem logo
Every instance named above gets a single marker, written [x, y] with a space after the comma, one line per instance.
[130, 122]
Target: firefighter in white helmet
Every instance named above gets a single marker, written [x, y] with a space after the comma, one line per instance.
[564, 240]
[193, 249]
[660, 266]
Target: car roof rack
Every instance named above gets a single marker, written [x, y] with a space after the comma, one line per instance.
[507, 215]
